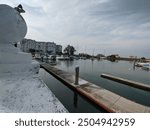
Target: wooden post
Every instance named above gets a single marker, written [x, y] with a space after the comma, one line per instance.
[76, 75]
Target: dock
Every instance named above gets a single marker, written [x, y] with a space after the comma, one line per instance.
[101, 97]
[134, 84]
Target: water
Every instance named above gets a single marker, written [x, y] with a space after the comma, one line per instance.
[91, 71]
[72, 101]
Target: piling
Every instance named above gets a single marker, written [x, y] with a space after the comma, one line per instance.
[76, 75]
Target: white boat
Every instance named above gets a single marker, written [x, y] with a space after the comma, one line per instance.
[140, 64]
[62, 58]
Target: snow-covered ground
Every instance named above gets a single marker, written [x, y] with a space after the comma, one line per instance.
[27, 93]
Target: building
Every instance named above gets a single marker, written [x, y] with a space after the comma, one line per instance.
[58, 49]
[28, 45]
[50, 48]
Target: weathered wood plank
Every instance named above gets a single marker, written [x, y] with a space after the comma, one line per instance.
[127, 82]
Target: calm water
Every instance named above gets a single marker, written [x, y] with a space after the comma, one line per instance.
[91, 71]
[73, 102]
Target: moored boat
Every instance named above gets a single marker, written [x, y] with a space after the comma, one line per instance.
[63, 58]
[141, 64]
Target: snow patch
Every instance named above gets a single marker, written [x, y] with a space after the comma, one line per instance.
[27, 94]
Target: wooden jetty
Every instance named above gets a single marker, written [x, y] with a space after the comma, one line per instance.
[127, 82]
[103, 98]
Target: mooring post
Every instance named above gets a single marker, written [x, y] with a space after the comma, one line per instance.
[76, 75]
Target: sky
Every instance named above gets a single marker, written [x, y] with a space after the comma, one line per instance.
[91, 26]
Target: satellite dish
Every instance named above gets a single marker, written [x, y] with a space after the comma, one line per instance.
[13, 27]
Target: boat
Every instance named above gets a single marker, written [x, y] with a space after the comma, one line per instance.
[144, 66]
[63, 58]
[141, 64]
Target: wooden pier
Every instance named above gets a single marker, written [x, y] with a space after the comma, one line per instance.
[103, 98]
[127, 82]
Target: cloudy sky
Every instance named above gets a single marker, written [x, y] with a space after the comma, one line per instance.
[99, 26]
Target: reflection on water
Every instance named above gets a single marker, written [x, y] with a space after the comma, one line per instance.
[75, 100]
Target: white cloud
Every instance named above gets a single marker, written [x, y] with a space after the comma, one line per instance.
[92, 23]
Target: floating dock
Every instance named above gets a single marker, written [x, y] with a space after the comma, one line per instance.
[134, 84]
[103, 98]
